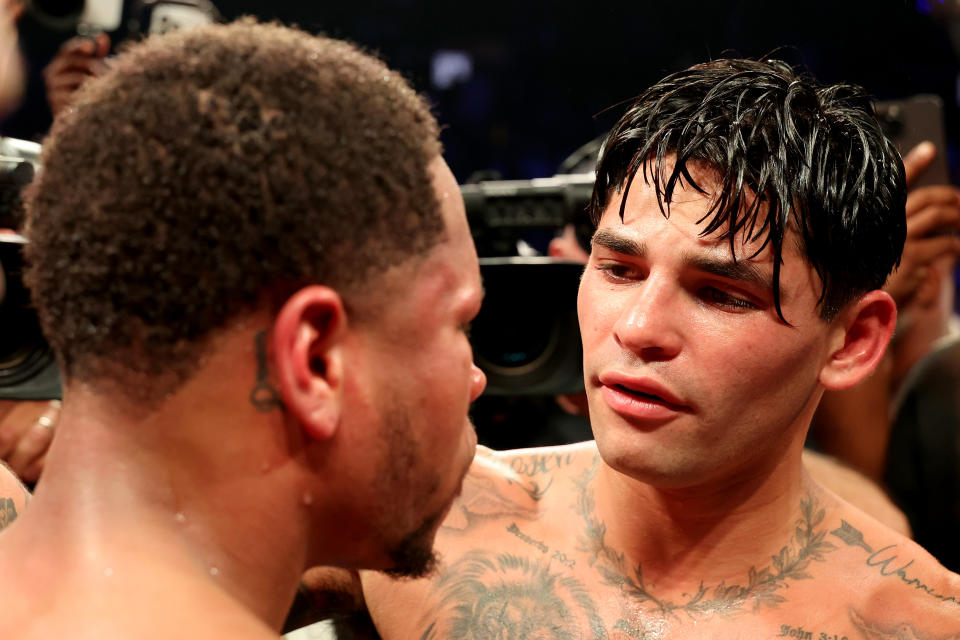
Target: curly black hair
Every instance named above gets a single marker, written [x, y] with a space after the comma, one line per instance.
[215, 171]
[814, 156]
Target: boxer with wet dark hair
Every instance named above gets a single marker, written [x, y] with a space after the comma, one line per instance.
[746, 219]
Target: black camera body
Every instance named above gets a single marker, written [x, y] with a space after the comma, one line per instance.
[526, 338]
[28, 370]
[122, 19]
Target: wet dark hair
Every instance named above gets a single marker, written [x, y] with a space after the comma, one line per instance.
[815, 155]
[212, 173]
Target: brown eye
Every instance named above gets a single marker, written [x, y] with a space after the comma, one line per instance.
[617, 271]
[725, 299]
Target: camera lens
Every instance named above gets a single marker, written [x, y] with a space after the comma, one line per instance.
[526, 338]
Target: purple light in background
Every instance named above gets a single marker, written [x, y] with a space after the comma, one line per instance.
[448, 68]
[926, 6]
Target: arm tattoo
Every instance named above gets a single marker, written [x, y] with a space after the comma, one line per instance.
[263, 396]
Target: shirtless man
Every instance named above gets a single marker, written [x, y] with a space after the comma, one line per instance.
[712, 322]
[255, 271]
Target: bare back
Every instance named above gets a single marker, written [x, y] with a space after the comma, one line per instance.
[526, 556]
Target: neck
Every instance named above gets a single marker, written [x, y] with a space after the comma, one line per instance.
[172, 492]
[708, 533]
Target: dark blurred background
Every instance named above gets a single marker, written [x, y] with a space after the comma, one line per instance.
[520, 85]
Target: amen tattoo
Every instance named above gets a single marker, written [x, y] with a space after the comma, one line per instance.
[263, 396]
[537, 464]
[808, 545]
[885, 560]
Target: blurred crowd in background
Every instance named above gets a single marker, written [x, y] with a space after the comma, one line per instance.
[519, 86]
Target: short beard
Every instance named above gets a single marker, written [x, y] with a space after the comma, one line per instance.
[413, 557]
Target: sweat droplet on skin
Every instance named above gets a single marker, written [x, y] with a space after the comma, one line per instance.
[108, 572]
[214, 571]
[308, 499]
[180, 517]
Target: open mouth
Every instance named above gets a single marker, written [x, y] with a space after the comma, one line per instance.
[639, 394]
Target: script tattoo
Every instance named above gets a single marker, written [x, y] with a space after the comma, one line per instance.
[8, 512]
[538, 464]
[263, 396]
[541, 463]
[762, 585]
[558, 555]
[874, 630]
[508, 597]
[885, 560]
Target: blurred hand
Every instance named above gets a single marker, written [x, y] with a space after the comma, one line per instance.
[11, 67]
[78, 60]
[933, 221]
[10, 11]
[26, 430]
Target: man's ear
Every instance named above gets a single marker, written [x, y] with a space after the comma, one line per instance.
[865, 327]
[308, 354]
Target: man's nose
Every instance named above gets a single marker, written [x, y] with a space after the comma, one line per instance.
[649, 322]
[478, 382]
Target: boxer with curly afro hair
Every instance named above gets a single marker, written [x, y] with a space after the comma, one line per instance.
[176, 195]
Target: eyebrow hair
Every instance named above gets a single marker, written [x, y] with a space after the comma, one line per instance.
[619, 243]
[741, 270]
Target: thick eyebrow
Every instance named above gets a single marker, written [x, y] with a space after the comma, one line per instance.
[619, 243]
[741, 270]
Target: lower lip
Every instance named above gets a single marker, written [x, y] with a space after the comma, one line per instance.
[632, 406]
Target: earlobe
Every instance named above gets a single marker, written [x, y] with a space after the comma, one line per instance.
[867, 325]
[307, 343]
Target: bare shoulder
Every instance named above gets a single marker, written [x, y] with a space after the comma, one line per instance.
[539, 561]
[519, 483]
[855, 488]
[512, 535]
[884, 585]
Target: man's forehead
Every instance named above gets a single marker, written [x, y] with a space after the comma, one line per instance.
[690, 214]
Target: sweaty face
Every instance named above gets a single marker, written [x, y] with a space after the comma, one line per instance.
[425, 379]
[691, 376]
